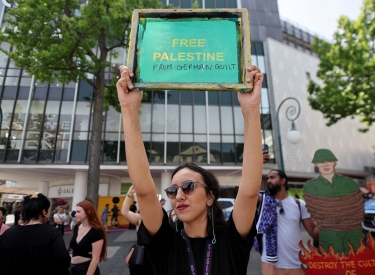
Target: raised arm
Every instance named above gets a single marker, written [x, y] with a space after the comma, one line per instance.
[247, 197]
[138, 166]
[133, 218]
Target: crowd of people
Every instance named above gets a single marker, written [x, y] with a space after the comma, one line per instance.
[193, 237]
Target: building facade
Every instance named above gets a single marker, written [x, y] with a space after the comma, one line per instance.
[46, 128]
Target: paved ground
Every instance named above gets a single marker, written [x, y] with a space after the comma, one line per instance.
[120, 241]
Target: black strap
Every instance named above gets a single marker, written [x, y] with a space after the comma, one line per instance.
[208, 255]
[299, 206]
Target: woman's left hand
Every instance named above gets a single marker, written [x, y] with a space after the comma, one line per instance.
[253, 98]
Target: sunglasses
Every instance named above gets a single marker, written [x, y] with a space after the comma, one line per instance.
[281, 211]
[187, 188]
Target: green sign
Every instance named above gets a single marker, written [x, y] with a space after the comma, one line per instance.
[125, 187]
[188, 50]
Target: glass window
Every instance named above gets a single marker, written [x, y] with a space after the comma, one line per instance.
[186, 97]
[84, 91]
[264, 83]
[259, 48]
[45, 155]
[173, 97]
[68, 94]
[228, 152]
[110, 151]
[209, 4]
[10, 92]
[50, 125]
[157, 151]
[15, 139]
[200, 119]
[158, 97]
[265, 103]
[266, 121]
[3, 60]
[145, 117]
[112, 120]
[226, 120]
[220, 4]
[25, 81]
[238, 121]
[12, 155]
[200, 152]
[235, 99]
[187, 151]
[54, 94]
[199, 98]
[186, 119]
[158, 118]
[122, 151]
[226, 98]
[261, 63]
[213, 98]
[239, 150]
[78, 152]
[61, 155]
[200, 138]
[23, 92]
[65, 123]
[214, 119]
[232, 4]
[173, 125]
[81, 120]
[40, 93]
[173, 150]
[215, 152]
[11, 80]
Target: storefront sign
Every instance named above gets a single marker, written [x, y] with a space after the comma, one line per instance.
[190, 49]
[65, 191]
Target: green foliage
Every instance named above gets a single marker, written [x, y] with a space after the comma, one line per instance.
[64, 40]
[195, 5]
[347, 69]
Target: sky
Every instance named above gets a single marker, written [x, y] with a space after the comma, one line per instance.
[318, 16]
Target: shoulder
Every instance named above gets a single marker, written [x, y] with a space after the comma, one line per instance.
[97, 233]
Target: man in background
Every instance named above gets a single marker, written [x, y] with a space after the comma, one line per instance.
[104, 216]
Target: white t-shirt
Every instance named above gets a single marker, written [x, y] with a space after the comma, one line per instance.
[288, 234]
[61, 217]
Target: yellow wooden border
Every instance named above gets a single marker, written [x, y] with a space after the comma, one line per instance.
[246, 49]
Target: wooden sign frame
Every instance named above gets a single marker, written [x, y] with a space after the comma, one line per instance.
[146, 49]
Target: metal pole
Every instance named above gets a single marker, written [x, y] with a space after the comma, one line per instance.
[291, 110]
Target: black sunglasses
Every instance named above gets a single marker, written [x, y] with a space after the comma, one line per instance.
[279, 204]
[187, 187]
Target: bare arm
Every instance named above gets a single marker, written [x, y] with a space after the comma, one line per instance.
[138, 166]
[96, 250]
[311, 228]
[133, 218]
[248, 192]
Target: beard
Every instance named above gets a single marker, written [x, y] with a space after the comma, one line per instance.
[273, 188]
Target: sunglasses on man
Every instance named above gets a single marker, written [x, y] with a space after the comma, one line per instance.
[187, 188]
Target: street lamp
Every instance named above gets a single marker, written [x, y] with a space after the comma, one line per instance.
[293, 136]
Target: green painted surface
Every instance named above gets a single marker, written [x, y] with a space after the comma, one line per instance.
[188, 50]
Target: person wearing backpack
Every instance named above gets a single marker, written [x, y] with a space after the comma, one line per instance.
[278, 223]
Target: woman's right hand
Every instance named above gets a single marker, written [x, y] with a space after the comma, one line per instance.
[127, 97]
[131, 191]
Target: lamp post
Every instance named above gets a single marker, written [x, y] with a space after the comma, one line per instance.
[293, 136]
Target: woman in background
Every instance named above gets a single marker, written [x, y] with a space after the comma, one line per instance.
[130, 216]
[3, 226]
[34, 247]
[89, 241]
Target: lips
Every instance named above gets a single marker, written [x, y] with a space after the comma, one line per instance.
[182, 206]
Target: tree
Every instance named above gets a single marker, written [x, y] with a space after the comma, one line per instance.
[347, 69]
[67, 40]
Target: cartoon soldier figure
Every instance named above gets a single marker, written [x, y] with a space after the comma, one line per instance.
[335, 203]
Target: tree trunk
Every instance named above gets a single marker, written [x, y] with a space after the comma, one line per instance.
[96, 140]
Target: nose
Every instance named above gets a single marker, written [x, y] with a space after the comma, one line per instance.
[180, 195]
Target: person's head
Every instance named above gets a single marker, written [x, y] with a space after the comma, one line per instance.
[162, 201]
[107, 206]
[193, 193]
[86, 212]
[35, 207]
[60, 210]
[325, 161]
[3, 213]
[277, 181]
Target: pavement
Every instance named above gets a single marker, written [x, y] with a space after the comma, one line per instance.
[119, 241]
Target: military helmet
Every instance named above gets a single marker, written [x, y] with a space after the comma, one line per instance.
[323, 155]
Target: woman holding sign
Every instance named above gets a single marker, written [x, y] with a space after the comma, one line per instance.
[201, 242]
